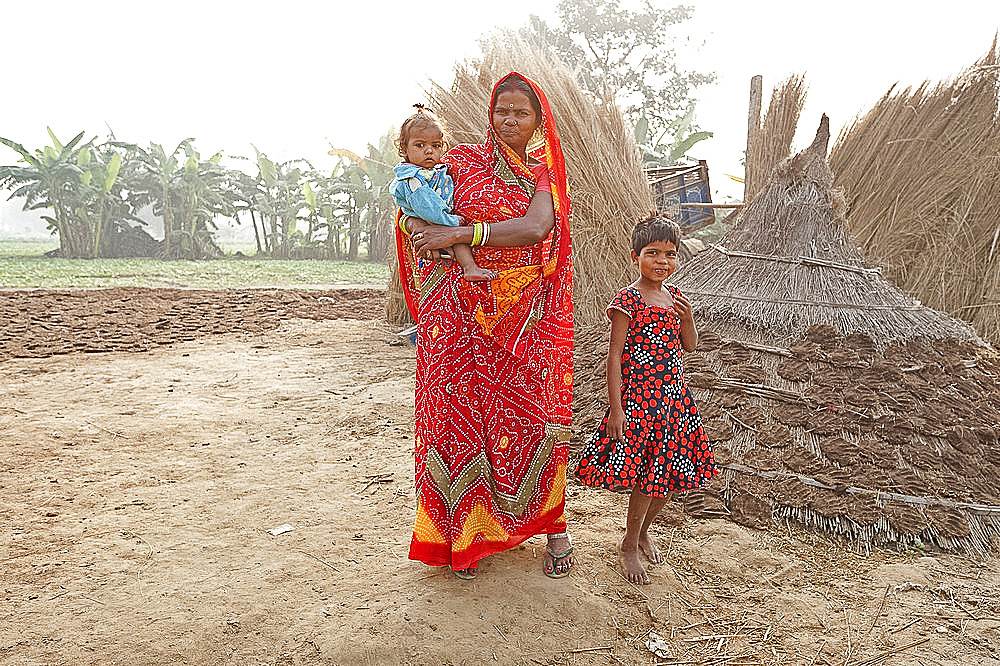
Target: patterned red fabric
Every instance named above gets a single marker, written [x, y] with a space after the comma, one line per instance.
[664, 446]
[494, 380]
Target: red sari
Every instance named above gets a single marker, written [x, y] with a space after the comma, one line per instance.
[494, 380]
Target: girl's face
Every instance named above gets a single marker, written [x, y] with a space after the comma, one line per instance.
[425, 145]
[657, 261]
[514, 120]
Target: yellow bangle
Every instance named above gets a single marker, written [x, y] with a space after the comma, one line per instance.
[477, 233]
[402, 223]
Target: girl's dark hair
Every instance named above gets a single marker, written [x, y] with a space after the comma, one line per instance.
[656, 227]
[514, 83]
[423, 117]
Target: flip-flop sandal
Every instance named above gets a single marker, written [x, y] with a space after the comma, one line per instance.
[466, 574]
[556, 557]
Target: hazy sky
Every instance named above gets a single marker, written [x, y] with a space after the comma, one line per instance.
[290, 76]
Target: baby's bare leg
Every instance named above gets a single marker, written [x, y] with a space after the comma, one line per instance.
[470, 270]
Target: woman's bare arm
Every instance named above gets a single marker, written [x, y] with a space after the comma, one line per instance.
[516, 232]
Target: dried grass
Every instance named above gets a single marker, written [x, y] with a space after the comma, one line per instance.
[608, 188]
[921, 171]
[771, 142]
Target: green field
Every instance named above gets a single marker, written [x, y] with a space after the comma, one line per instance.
[22, 265]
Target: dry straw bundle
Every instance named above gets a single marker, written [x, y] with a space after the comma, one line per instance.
[771, 140]
[922, 174]
[831, 397]
[608, 188]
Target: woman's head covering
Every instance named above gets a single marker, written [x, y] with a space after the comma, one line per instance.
[545, 148]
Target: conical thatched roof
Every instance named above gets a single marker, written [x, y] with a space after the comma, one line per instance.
[831, 397]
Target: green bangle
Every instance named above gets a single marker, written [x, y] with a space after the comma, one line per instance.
[477, 234]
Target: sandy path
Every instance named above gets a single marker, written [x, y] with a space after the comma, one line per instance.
[137, 488]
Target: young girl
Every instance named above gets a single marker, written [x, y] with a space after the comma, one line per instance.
[651, 438]
[423, 188]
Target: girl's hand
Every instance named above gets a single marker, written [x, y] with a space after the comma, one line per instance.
[432, 237]
[682, 306]
[616, 423]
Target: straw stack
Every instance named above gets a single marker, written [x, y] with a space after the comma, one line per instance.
[608, 188]
[831, 397]
[921, 172]
[771, 141]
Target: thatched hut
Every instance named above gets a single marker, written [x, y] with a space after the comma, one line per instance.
[832, 398]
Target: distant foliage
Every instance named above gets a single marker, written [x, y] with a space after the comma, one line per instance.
[624, 55]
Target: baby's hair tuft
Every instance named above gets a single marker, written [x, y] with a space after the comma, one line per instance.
[423, 116]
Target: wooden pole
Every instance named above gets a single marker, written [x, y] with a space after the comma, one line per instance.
[753, 126]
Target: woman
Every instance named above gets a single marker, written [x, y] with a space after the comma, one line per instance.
[494, 382]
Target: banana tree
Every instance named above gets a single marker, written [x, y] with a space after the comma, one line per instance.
[186, 192]
[369, 206]
[52, 178]
[279, 199]
[657, 153]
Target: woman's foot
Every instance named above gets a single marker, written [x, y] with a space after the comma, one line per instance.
[628, 558]
[648, 547]
[558, 555]
[466, 574]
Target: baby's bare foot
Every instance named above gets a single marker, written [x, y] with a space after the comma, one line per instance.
[478, 274]
[631, 566]
[648, 547]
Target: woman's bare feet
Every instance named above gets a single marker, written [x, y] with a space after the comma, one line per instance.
[648, 547]
[628, 558]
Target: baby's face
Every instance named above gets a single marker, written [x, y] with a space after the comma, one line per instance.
[425, 146]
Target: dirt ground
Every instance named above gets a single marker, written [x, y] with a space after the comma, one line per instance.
[138, 486]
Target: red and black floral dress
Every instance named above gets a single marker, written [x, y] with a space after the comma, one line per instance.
[664, 445]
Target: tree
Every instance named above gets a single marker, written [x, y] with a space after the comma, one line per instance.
[279, 200]
[80, 184]
[656, 153]
[186, 192]
[623, 55]
[365, 183]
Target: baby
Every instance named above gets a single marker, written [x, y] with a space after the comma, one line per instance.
[423, 188]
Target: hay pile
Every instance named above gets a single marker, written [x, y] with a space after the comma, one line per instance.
[771, 140]
[831, 397]
[607, 185]
[922, 174]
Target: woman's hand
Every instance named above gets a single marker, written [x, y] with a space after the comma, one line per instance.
[415, 226]
[428, 237]
[616, 423]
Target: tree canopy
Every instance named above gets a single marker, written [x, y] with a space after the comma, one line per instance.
[624, 55]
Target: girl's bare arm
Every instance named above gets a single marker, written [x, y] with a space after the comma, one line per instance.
[516, 232]
[689, 334]
[616, 415]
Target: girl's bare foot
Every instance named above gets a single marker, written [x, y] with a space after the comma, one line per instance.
[630, 564]
[648, 547]
[478, 274]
